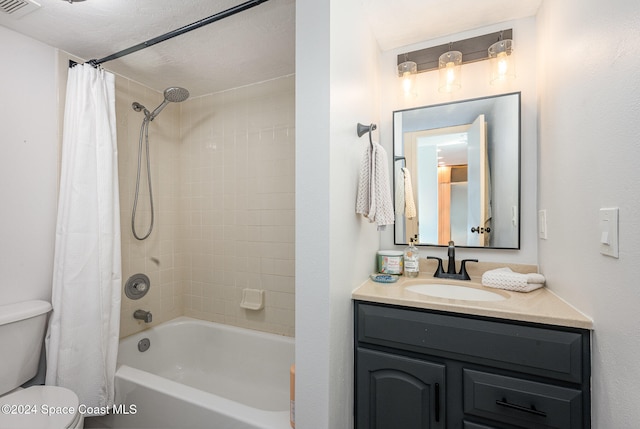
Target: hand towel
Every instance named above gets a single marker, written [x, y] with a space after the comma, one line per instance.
[363, 197]
[409, 203]
[505, 278]
[399, 192]
[374, 192]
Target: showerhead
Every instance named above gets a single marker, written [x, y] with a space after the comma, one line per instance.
[174, 94]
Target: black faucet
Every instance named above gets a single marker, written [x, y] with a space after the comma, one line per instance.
[451, 269]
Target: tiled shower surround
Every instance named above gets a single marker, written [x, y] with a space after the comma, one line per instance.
[223, 185]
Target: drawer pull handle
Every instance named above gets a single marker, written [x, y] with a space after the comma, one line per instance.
[531, 410]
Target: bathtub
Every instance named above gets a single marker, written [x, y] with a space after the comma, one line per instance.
[199, 374]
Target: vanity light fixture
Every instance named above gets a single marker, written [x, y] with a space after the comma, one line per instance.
[448, 59]
[408, 70]
[450, 66]
[501, 61]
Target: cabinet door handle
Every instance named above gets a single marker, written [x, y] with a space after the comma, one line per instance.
[531, 410]
[437, 401]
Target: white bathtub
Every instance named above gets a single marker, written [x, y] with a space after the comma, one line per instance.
[199, 374]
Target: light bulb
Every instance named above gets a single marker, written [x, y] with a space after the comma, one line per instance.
[407, 72]
[449, 64]
[406, 83]
[501, 61]
[503, 64]
[451, 73]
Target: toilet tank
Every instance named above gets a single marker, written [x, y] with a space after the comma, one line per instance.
[22, 328]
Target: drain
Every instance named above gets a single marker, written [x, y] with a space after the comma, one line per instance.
[144, 344]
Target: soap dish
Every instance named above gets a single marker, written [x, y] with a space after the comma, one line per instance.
[252, 299]
[384, 278]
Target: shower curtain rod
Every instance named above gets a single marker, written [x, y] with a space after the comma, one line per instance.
[201, 23]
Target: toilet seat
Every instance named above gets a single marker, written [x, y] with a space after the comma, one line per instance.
[40, 407]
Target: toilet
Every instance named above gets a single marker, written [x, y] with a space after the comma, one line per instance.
[22, 328]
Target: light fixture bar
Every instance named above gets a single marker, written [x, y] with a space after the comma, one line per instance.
[473, 49]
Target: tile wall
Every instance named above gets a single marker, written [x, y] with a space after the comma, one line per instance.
[223, 187]
[156, 255]
[236, 200]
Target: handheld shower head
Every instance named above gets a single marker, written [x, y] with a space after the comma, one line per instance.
[173, 94]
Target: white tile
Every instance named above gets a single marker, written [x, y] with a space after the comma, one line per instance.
[223, 175]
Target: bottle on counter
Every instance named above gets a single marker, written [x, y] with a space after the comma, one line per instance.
[412, 259]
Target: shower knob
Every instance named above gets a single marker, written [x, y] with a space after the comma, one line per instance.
[137, 286]
[140, 287]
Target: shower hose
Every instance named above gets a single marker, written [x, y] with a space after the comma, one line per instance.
[144, 136]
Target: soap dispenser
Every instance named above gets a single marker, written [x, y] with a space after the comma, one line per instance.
[412, 259]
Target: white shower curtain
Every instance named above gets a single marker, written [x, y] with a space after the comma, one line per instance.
[82, 339]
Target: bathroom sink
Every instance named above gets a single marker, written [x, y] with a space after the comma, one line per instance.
[449, 291]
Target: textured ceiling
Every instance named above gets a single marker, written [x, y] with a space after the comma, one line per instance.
[252, 46]
[402, 22]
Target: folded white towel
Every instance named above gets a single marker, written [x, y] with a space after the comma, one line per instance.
[409, 205]
[505, 278]
[374, 191]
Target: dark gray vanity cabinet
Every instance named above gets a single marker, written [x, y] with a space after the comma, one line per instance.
[421, 369]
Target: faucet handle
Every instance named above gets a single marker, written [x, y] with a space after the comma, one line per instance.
[463, 268]
[439, 270]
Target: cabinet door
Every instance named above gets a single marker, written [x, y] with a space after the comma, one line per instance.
[398, 392]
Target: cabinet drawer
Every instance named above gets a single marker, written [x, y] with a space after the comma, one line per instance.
[470, 425]
[521, 402]
[547, 352]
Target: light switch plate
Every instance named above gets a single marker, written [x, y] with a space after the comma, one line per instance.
[608, 231]
[542, 224]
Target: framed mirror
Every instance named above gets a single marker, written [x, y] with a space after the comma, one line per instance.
[457, 173]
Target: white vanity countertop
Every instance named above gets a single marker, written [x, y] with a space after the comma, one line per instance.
[538, 306]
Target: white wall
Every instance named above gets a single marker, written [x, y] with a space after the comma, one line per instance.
[475, 83]
[589, 152]
[336, 87]
[312, 214]
[28, 167]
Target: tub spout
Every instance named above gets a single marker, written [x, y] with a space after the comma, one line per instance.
[143, 315]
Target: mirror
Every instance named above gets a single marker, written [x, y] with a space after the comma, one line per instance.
[459, 164]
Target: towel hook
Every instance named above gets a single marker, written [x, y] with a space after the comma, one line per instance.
[362, 129]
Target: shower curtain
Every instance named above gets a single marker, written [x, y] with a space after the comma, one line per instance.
[82, 338]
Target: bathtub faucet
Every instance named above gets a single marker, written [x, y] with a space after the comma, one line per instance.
[143, 315]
